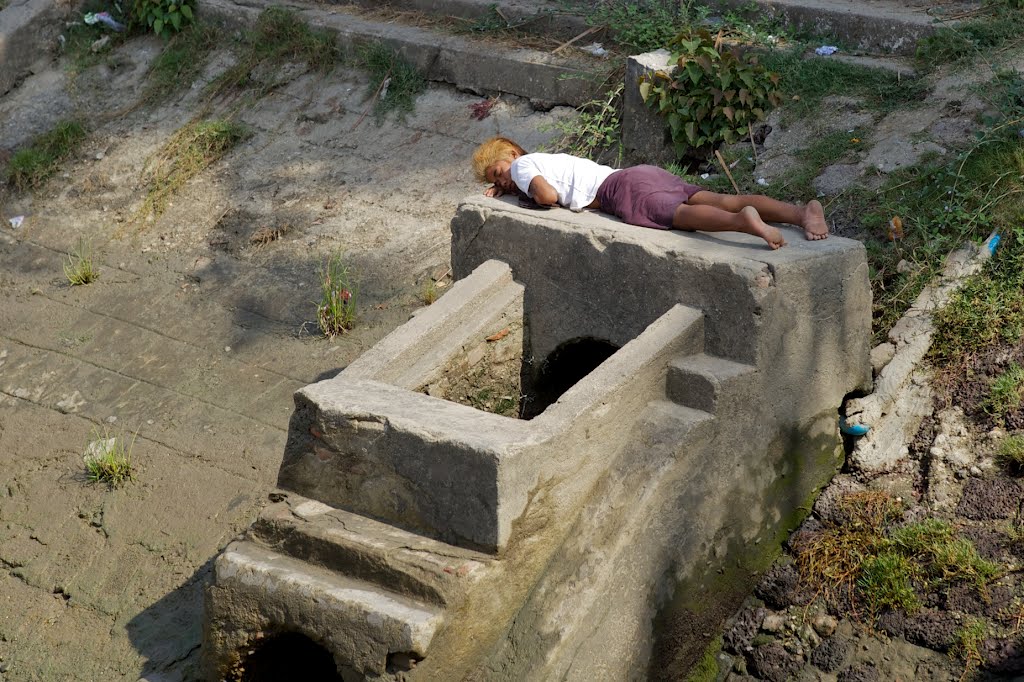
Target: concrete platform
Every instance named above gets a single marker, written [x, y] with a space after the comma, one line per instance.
[575, 545]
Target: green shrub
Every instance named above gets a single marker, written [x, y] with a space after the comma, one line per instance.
[712, 96]
[163, 17]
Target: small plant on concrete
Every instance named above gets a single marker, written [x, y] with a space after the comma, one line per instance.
[336, 312]
[79, 268]
[29, 167]
[1007, 392]
[1010, 454]
[191, 150]
[711, 96]
[394, 83]
[429, 293]
[967, 645]
[595, 129]
[885, 582]
[162, 17]
[108, 459]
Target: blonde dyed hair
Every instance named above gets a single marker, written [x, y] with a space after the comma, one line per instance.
[490, 152]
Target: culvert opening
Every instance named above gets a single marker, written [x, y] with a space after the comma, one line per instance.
[289, 656]
[563, 369]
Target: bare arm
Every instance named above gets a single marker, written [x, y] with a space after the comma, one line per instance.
[542, 192]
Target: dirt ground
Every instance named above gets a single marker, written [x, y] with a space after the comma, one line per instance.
[194, 337]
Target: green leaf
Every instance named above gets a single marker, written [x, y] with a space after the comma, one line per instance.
[645, 87]
[176, 20]
[186, 11]
[691, 131]
[158, 26]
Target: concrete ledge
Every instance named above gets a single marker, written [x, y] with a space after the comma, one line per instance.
[885, 26]
[477, 66]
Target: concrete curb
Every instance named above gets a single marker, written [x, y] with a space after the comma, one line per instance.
[481, 67]
[893, 411]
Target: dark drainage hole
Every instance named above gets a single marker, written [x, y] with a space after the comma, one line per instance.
[563, 369]
[289, 656]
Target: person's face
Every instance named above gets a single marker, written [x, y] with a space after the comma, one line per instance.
[500, 174]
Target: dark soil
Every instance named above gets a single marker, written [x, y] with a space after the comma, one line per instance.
[989, 499]
[831, 654]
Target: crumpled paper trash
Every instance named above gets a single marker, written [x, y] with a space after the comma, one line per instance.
[826, 50]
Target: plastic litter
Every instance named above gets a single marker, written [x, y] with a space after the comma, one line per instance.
[103, 18]
[852, 429]
[992, 243]
[826, 50]
[762, 182]
[16, 221]
[596, 49]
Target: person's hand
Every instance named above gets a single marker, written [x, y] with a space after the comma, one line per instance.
[493, 191]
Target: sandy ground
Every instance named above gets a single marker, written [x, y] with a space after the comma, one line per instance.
[194, 337]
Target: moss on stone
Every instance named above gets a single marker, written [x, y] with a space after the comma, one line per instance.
[706, 669]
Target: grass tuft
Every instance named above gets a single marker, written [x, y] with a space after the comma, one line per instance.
[595, 130]
[869, 564]
[429, 293]
[394, 83]
[79, 268]
[1010, 454]
[108, 459]
[29, 167]
[967, 645]
[181, 61]
[336, 312]
[279, 37]
[1001, 27]
[1007, 391]
[191, 150]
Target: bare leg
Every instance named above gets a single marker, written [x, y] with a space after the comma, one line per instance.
[811, 216]
[712, 219]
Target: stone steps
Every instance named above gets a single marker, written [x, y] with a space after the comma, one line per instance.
[379, 553]
[360, 623]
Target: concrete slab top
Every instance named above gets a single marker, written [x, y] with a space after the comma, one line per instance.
[733, 247]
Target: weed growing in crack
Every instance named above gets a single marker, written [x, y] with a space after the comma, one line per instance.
[108, 459]
[1007, 392]
[429, 293]
[394, 83]
[29, 167]
[191, 150]
[595, 130]
[79, 268]
[336, 312]
[1010, 454]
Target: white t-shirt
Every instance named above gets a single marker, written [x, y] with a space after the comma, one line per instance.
[575, 179]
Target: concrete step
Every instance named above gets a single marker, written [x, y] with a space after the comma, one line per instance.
[359, 623]
[378, 553]
[704, 381]
[479, 64]
[875, 26]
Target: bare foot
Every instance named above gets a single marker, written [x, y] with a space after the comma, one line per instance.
[758, 227]
[814, 223]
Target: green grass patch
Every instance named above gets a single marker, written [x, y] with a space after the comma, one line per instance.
[811, 80]
[279, 37]
[29, 167]
[181, 61]
[1007, 391]
[108, 459]
[79, 268]
[595, 130]
[336, 312]
[1010, 454]
[869, 559]
[394, 83]
[190, 151]
[967, 645]
[1001, 27]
